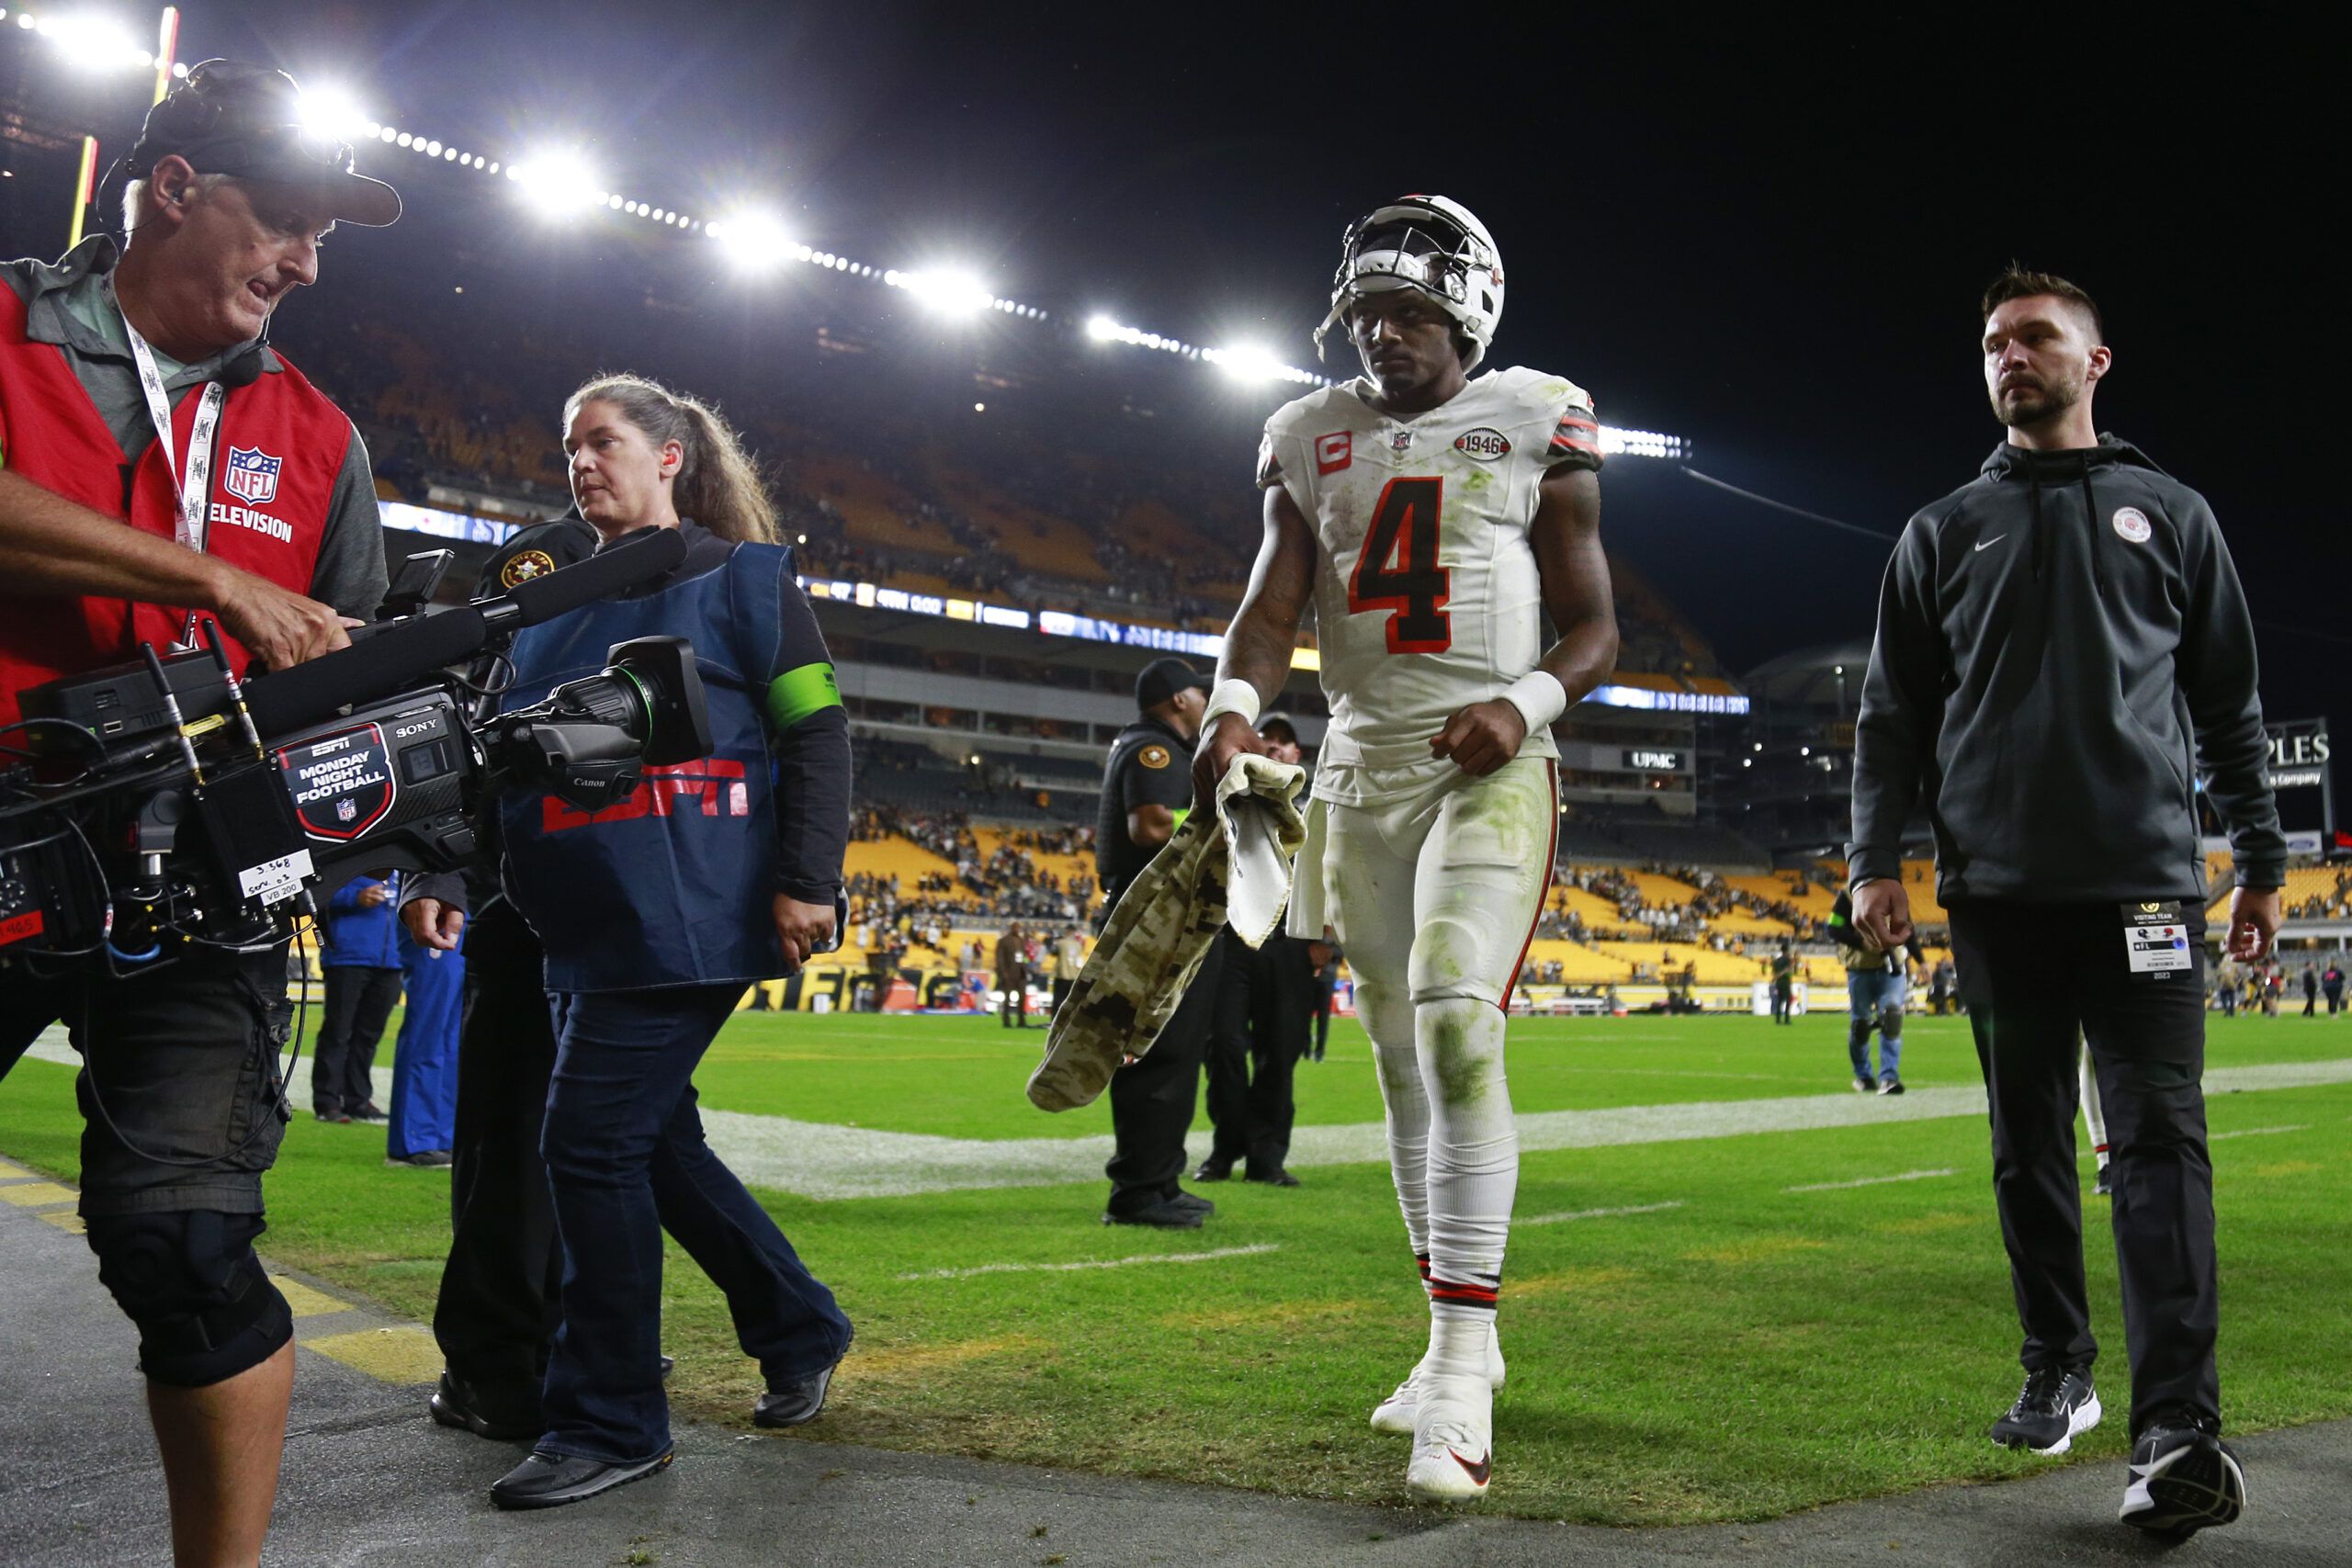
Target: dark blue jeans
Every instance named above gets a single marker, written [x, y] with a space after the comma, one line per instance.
[626, 1161]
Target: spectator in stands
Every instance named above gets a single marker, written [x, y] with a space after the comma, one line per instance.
[2041, 705]
[359, 956]
[1012, 977]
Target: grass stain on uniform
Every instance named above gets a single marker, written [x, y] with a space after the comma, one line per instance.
[1464, 1074]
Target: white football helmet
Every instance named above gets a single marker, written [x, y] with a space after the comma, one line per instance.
[1426, 242]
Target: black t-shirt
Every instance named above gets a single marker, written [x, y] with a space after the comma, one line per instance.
[1150, 764]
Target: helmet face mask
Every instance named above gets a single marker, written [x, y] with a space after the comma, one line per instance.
[1431, 245]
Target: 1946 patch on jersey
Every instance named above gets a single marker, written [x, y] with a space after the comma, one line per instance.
[1486, 443]
[1153, 756]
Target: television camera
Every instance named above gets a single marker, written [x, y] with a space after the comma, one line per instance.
[162, 805]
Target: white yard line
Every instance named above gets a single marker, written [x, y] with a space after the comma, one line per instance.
[2259, 1131]
[1869, 1181]
[1595, 1213]
[1095, 1263]
[821, 1160]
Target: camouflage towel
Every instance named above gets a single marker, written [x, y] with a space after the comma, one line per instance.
[1164, 923]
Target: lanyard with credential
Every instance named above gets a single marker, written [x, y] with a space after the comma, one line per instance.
[195, 488]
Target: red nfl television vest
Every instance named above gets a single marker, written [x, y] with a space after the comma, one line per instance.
[279, 447]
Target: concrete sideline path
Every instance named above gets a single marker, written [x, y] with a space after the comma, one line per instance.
[370, 1483]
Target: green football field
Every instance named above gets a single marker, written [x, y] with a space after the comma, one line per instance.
[1702, 1323]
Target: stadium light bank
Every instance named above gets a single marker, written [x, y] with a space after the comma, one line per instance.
[559, 184]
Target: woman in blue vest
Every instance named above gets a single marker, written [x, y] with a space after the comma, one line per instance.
[655, 915]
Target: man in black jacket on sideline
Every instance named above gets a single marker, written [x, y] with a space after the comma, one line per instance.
[2063, 645]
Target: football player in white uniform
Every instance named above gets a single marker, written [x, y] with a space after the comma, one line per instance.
[1431, 519]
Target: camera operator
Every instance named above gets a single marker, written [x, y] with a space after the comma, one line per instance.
[655, 914]
[136, 388]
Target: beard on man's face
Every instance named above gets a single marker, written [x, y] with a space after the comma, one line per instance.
[2028, 401]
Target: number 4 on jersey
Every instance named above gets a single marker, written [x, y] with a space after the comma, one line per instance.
[1397, 570]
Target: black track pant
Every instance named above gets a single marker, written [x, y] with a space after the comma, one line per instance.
[1152, 1100]
[359, 999]
[498, 1311]
[2034, 977]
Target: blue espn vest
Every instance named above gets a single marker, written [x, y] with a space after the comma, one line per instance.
[675, 886]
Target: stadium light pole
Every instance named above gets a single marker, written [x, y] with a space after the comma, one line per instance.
[85, 182]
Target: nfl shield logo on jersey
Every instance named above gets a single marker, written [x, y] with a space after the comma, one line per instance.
[252, 477]
[346, 809]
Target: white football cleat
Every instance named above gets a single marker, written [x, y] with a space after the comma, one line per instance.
[1454, 1454]
[1394, 1415]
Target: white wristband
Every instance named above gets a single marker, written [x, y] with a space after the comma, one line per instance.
[1236, 695]
[1539, 697]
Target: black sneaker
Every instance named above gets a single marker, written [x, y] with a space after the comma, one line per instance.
[550, 1480]
[798, 1401]
[332, 1113]
[1890, 1085]
[1214, 1171]
[423, 1159]
[511, 1420]
[2053, 1406]
[368, 1111]
[1274, 1178]
[1193, 1201]
[1862, 1085]
[2106, 1186]
[2183, 1477]
[1166, 1216]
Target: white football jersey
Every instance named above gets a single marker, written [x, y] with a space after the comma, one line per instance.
[1426, 599]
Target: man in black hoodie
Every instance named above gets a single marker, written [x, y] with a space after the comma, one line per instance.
[2063, 648]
